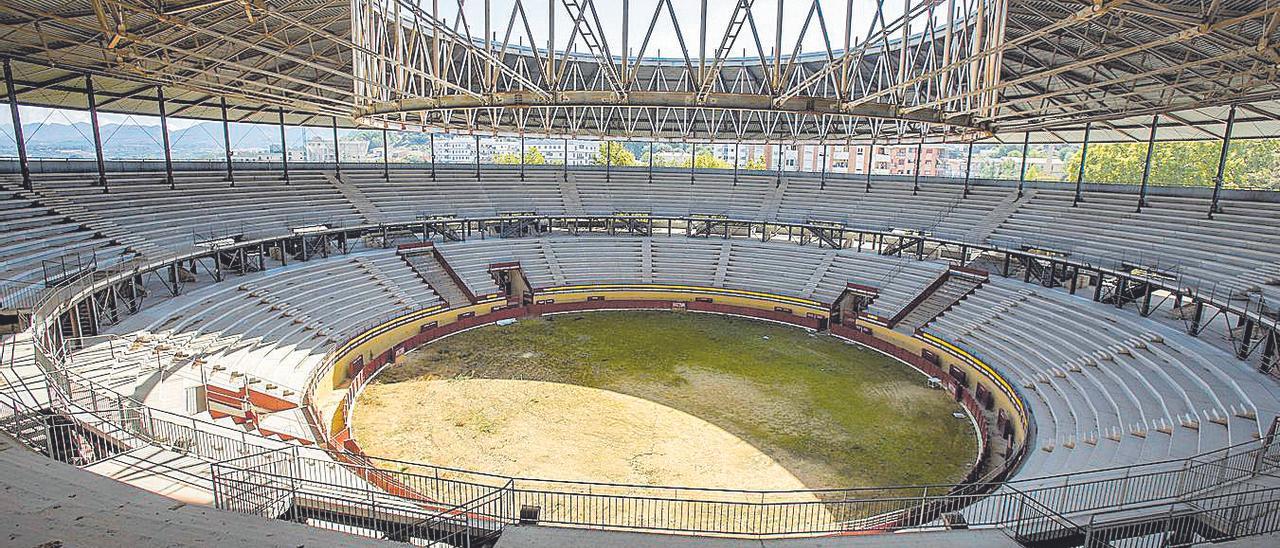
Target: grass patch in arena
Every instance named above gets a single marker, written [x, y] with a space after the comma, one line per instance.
[830, 413]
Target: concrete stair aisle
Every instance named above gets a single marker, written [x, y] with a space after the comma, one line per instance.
[1010, 204]
[722, 263]
[432, 272]
[769, 211]
[363, 205]
[950, 292]
[820, 272]
[646, 260]
[552, 263]
[569, 193]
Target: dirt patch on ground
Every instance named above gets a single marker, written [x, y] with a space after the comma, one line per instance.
[558, 431]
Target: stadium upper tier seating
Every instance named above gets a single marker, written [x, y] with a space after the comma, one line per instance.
[1237, 251]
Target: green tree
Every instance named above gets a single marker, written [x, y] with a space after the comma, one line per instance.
[1250, 163]
[755, 164]
[615, 154]
[704, 160]
[534, 157]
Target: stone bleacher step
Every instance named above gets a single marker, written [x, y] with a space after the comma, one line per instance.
[646, 260]
[569, 193]
[769, 211]
[434, 275]
[1001, 213]
[820, 272]
[365, 207]
[722, 263]
[552, 263]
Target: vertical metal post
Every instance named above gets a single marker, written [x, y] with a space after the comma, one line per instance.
[1022, 172]
[693, 160]
[164, 132]
[1245, 340]
[386, 156]
[650, 162]
[779, 164]
[97, 131]
[871, 151]
[1214, 207]
[17, 125]
[1146, 163]
[566, 158]
[432, 138]
[521, 156]
[823, 180]
[915, 183]
[1084, 159]
[284, 152]
[1269, 354]
[337, 155]
[968, 166]
[226, 140]
[608, 162]
[476, 140]
[735, 162]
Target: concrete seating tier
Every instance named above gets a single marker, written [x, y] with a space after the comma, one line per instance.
[1233, 252]
[33, 233]
[273, 325]
[781, 268]
[1108, 388]
[1104, 387]
[203, 206]
[1236, 252]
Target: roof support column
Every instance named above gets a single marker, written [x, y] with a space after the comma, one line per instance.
[284, 149]
[97, 131]
[1146, 164]
[915, 183]
[521, 156]
[164, 132]
[1084, 159]
[1214, 207]
[693, 160]
[226, 141]
[337, 155]
[1022, 171]
[650, 162]
[17, 125]
[968, 166]
[566, 157]
[432, 137]
[871, 151]
[608, 162]
[779, 164]
[735, 162]
[823, 184]
[386, 157]
[476, 140]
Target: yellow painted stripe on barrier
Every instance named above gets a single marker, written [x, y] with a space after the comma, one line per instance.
[676, 288]
[982, 366]
[364, 336]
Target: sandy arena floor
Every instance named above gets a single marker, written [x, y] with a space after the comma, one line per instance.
[558, 431]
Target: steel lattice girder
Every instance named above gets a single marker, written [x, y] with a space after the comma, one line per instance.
[1045, 66]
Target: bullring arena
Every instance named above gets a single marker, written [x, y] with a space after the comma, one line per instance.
[506, 273]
